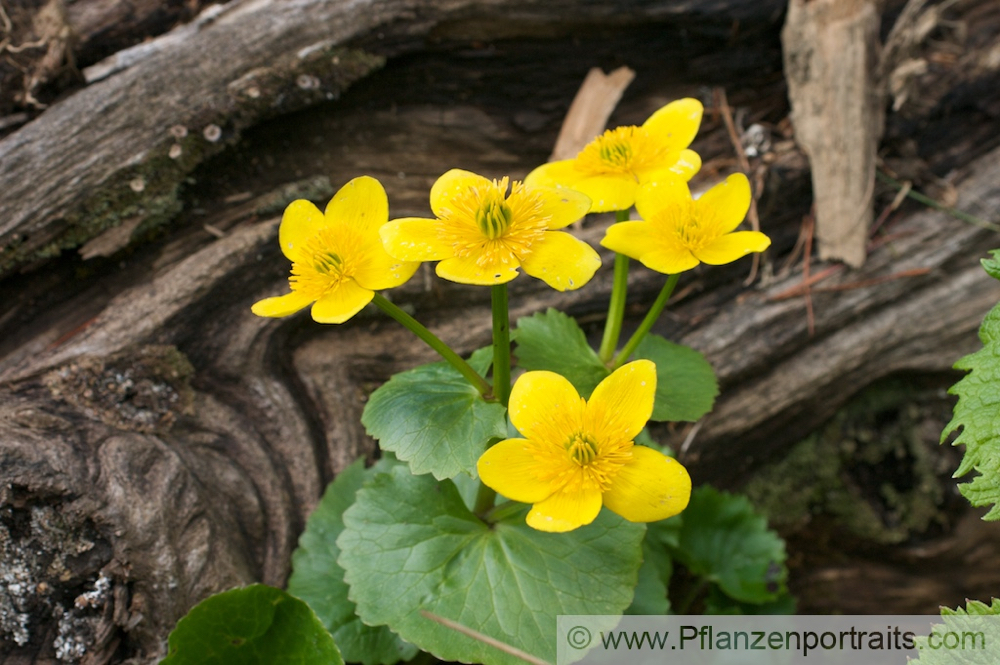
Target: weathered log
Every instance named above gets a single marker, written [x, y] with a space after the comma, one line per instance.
[182, 441]
[254, 59]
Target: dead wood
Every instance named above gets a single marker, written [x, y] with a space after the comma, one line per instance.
[831, 57]
[182, 441]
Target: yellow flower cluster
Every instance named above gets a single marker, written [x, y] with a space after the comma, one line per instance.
[484, 231]
[576, 455]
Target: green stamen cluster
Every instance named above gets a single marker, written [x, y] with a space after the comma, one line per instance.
[582, 449]
[494, 217]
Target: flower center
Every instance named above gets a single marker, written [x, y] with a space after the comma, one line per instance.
[686, 225]
[493, 228]
[328, 258]
[328, 263]
[625, 150]
[494, 215]
[582, 449]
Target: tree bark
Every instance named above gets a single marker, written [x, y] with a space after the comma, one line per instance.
[157, 435]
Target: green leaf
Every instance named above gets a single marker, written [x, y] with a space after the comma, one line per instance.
[318, 579]
[410, 544]
[431, 417]
[719, 603]
[255, 624]
[553, 341]
[977, 412]
[654, 576]
[685, 383]
[992, 266]
[724, 540]
[978, 623]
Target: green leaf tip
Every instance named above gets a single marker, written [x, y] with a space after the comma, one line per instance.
[992, 265]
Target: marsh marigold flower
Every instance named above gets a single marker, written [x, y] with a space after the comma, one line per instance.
[338, 261]
[677, 233]
[483, 234]
[578, 455]
[611, 167]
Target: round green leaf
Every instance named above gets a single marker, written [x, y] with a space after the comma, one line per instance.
[433, 418]
[410, 544]
[723, 539]
[254, 625]
[318, 579]
[686, 386]
[553, 341]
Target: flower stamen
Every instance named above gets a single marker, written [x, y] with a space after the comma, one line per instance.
[329, 258]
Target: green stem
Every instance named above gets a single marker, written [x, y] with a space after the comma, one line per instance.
[692, 595]
[503, 511]
[616, 306]
[501, 344]
[647, 323]
[928, 201]
[485, 498]
[432, 340]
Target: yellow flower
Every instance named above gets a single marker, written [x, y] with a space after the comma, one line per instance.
[579, 454]
[338, 261]
[677, 233]
[482, 234]
[611, 167]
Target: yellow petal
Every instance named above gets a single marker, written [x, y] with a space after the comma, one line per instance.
[688, 163]
[298, 225]
[629, 238]
[675, 125]
[655, 196]
[670, 259]
[622, 403]
[726, 204]
[561, 261]
[414, 239]
[361, 204]
[565, 511]
[341, 303]
[562, 173]
[563, 206]
[683, 165]
[545, 408]
[733, 246]
[650, 487]
[467, 271]
[610, 191]
[511, 469]
[377, 270]
[451, 184]
[281, 305]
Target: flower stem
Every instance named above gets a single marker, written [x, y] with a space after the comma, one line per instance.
[647, 323]
[501, 344]
[503, 511]
[691, 596]
[433, 341]
[616, 306]
[485, 498]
